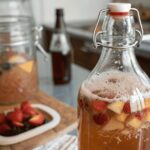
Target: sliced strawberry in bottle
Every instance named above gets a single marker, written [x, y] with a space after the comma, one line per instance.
[140, 115]
[2, 118]
[99, 105]
[127, 108]
[101, 118]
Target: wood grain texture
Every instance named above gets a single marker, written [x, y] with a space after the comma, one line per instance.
[67, 124]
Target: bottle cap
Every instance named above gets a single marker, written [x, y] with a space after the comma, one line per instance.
[59, 11]
[119, 7]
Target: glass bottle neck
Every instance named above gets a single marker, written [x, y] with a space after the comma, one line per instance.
[119, 60]
[118, 31]
[60, 24]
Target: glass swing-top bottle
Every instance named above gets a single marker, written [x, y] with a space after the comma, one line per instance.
[114, 101]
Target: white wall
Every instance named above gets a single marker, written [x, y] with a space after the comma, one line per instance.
[75, 10]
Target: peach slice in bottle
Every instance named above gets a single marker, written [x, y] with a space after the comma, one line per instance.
[121, 117]
[116, 107]
[147, 103]
[147, 115]
[113, 124]
[134, 122]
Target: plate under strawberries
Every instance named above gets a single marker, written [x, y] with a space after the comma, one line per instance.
[26, 121]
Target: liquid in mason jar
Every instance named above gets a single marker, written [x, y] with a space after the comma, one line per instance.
[18, 78]
[113, 114]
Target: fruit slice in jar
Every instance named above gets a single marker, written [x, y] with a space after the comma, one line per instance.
[99, 105]
[121, 117]
[27, 66]
[134, 122]
[116, 107]
[113, 124]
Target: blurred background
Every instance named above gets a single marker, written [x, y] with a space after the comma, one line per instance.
[79, 10]
[80, 17]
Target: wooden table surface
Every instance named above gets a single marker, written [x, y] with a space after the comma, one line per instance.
[68, 123]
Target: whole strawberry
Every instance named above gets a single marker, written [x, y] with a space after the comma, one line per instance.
[15, 116]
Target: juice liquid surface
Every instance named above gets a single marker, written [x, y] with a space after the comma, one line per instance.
[108, 119]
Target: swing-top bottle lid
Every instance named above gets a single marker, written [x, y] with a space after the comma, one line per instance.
[119, 7]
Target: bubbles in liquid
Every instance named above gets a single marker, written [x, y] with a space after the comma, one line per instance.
[112, 86]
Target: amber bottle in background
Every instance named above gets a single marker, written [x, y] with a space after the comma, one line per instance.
[60, 49]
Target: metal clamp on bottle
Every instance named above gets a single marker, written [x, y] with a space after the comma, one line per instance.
[139, 32]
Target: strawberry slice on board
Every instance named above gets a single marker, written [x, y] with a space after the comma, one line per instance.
[29, 112]
[2, 118]
[37, 120]
[16, 115]
[4, 128]
[25, 105]
[27, 109]
[18, 124]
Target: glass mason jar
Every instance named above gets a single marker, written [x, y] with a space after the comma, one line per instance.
[15, 8]
[18, 67]
[114, 101]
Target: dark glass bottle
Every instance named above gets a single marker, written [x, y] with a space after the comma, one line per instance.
[60, 49]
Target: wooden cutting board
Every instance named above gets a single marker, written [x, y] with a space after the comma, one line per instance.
[67, 124]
